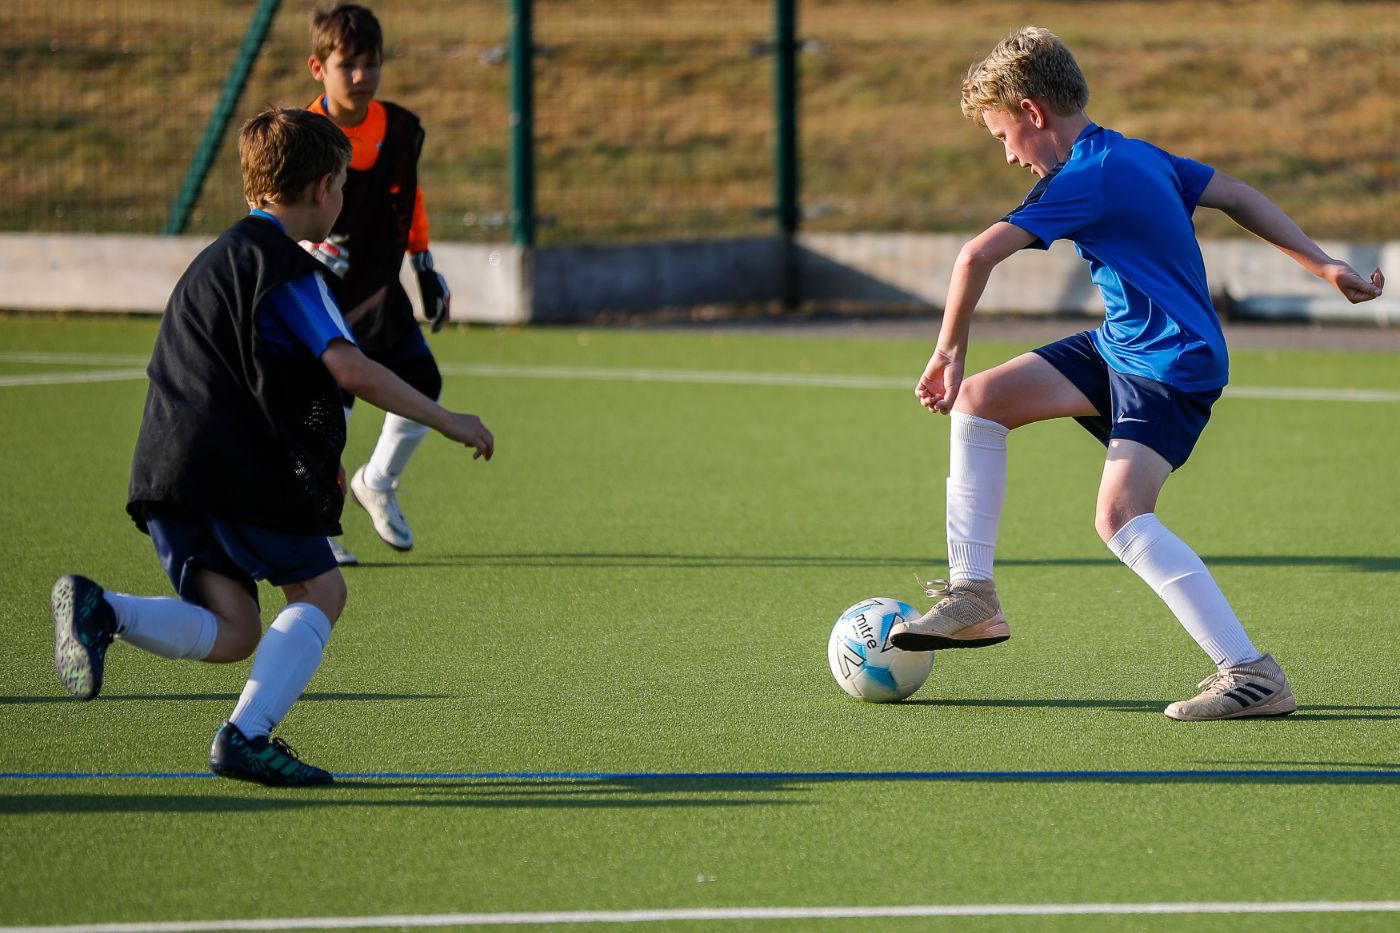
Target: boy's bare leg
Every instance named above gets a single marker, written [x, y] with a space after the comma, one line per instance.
[285, 661]
[1021, 391]
[1246, 683]
[221, 626]
[290, 652]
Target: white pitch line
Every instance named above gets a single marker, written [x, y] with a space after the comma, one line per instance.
[74, 359]
[677, 376]
[804, 380]
[49, 379]
[720, 914]
[1312, 395]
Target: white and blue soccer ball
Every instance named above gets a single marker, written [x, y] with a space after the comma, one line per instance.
[864, 662]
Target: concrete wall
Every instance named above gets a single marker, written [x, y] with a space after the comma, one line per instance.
[505, 284]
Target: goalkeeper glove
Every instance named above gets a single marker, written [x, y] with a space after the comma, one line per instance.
[437, 297]
[332, 252]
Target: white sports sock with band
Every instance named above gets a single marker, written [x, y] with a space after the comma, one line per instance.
[287, 657]
[164, 625]
[976, 492]
[397, 443]
[1176, 574]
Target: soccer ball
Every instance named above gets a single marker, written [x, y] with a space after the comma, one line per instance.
[864, 662]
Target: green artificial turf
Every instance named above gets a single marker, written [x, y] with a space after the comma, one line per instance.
[642, 581]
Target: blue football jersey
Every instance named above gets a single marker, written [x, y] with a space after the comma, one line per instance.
[1126, 205]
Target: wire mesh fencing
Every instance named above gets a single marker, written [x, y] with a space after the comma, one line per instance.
[654, 119]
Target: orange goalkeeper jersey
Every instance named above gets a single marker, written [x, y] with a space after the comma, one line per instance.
[365, 140]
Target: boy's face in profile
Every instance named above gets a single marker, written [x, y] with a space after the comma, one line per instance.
[1028, 143]
[351, 81]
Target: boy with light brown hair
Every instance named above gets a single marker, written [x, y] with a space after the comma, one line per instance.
[236, 475]
[1143, 383]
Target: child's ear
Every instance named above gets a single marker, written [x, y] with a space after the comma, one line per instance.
[1033, 111]
[320, 187]
[317, 69]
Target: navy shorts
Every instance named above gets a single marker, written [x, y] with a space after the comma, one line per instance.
[1132, 408]
[187, 541]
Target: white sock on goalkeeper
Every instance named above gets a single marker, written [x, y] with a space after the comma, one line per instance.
[398, 441]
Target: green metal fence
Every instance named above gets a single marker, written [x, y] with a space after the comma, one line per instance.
[661, 119]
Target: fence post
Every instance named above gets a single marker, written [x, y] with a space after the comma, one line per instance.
[785, 100]
[214, 131]
[522, 123]
[785, 151]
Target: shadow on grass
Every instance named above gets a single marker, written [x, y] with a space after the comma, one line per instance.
[1113, 706]
[627, 794]
[1380, 766]
[640, 792]
[1306, 712]
[1360, 563]
[312, 697]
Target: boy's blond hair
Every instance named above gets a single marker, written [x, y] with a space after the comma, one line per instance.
[284, 150]
[349, 27]
[1031, 62]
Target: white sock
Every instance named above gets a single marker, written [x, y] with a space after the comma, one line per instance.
[164, 625]
[288, 655]
[397, 443]
[976, 492]
[1176, 574]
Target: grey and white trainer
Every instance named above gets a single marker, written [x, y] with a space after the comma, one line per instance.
[384, 512]
[968, 615]
[1258, 688]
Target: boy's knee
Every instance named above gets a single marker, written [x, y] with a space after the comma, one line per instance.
[327, 593]
[239, 634]
[974, 398]
[1110, 517]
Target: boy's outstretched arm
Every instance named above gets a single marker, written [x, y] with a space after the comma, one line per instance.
[938, 387]
[364, 378]
[1260, 216]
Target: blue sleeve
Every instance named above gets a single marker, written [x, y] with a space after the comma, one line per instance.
[304, 309]
[1192, 177]
[1059, 207]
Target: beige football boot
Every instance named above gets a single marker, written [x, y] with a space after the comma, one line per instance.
[1254, 689]
[967, 616]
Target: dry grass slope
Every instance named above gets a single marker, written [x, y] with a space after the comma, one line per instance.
[654, 117]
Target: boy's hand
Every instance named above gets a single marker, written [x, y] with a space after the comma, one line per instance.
[1352, 285]
[333, 252]
[437, 297]
[938, 386]
[468, 430]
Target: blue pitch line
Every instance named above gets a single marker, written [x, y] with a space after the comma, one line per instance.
[735, 775]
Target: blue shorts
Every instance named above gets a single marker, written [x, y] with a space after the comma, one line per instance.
[187, 541]
[1132, 408]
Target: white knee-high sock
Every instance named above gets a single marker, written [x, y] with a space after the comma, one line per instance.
[397, 443]
[163, 625]
[1176, 574]
[976, 492]
[286, 658]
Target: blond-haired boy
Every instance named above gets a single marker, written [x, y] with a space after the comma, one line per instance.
[236, 475]
[1143, 383]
